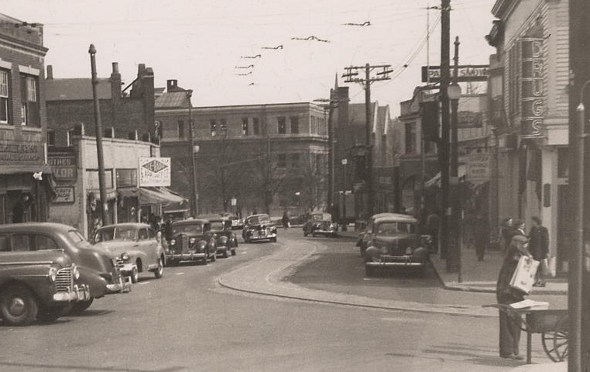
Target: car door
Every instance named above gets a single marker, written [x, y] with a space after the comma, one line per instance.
[144, 244]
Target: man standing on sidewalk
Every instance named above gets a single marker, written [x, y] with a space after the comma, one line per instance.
[539, 246]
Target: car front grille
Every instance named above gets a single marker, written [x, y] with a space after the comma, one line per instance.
[64, 281]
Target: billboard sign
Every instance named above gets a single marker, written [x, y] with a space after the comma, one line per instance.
[154, 172]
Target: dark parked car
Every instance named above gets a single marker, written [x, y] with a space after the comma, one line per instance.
[259, 227]
[227, 242]
[37, 279]
[319, 223]
[393, 241]
[135, 246]
[192, 240]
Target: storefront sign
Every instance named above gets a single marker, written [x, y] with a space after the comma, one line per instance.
[154, 172]
[466, 73]
[64, 194]
[28, 150]
[63, 166]
[532, 87]
[478, 168]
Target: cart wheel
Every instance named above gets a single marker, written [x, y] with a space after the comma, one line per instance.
[555, 342]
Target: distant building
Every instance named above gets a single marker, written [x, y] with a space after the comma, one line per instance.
[25, 180]
[262, 156]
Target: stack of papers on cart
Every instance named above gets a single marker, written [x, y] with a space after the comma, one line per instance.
[530, 304]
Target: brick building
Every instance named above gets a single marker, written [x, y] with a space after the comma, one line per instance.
[23, 196]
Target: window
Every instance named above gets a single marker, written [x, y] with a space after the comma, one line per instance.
[213, 127]
[21, 243]
[256, 126]
[282, 162]
[92, 179]
[133, 135]
[30, 115]
[410, 138]
[126, 177]
[294, 125]
[180, 128]
[314, 125]
[43, 243]
[4, 247]
[143, 234]
[70, 136]
[50, 138]
[245, 126]
[282, 125]
[4, 97]
[109, 132]
[223, 127]
[295, 161]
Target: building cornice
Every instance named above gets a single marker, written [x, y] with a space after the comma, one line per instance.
[503, 8]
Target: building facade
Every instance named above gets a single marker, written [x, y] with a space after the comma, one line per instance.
[25, 179]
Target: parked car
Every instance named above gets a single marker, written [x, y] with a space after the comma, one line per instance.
[237, 223]
[319, 223]
[227, 241]
[37, 279]
[362, 242]
[97, 271]
[393, 241]
[135, 246]
[259, 227]
[192, 240]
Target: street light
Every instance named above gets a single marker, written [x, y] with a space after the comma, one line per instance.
[194, 149]
[454, 93]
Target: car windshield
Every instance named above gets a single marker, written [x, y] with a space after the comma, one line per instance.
[217, 225]
[187, 228]
[394, 228]
[254, 220]
[128, 233]
[317, 217]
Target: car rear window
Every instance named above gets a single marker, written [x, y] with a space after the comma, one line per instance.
[393, 228]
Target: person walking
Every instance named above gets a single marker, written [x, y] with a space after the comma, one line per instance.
[285, 220]
[509, 335]
[432, 227]
[507, 231]
[481, 234]
[539, 247]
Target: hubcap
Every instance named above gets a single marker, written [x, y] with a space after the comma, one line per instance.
[17, 306]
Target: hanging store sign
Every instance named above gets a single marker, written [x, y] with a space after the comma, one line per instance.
[532, 87]
[466, 73]
[154, 172]
[478, 168]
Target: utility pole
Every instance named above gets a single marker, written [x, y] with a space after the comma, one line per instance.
[193, 150]
[99, 149]
[454, 93]
[445, 126]
[366, 82]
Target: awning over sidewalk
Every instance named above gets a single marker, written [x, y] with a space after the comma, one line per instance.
[153, 195]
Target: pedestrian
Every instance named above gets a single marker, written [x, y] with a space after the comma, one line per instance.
[519, 228]
[481, 233]
[285, 220]
[539, 247]
[507, 231]
[510, 325]
[432, 227]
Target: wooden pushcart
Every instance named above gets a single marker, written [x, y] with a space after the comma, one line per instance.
[553, 326]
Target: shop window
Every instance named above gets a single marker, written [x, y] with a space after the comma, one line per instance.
[4, 97]
[30, 115]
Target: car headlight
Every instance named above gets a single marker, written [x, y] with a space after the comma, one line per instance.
[192, 240]
[409, 250]
[125, 256]
[76, 272]
[223, 240]
[52, 275]
[172, 241]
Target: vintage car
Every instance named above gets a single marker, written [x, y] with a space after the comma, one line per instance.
[192, 240]
[37, 279]
[237, 223]
[259, 227]
[98, 272]
[393, 241]
[135, 246]
[227, 241]
[319, 224]
[363, 238]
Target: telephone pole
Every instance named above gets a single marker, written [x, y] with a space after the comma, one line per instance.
[383, 74]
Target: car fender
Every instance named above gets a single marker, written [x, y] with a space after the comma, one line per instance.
[96, 283]
[421, 253]
[372, 251]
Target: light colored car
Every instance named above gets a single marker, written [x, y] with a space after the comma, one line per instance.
[319, 223]
[259, 227]
[135, 246]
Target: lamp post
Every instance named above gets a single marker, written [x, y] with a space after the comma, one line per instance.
[193, 149]
[454, 262]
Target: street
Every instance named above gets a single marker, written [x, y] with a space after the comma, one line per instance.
[193, 320]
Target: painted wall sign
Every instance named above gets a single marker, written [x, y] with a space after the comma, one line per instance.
[478, 168]
[64, 194]
[63, 166]
[29, 149]
[532, 87]
[154, 172]
[466, 73]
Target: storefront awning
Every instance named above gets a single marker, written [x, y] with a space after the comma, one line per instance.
[153, 195]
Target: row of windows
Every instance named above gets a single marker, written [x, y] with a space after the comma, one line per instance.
[294, 161]
[30, 113]
[107, 133]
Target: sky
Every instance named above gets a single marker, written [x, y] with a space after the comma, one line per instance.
[233, 52]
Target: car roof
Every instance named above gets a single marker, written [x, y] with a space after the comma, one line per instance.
[191, 222]
[398, 217]
[36, 226]
[126, 224]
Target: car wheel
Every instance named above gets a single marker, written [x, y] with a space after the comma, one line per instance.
[233, 251]
[134, 275]
[370, 271]
[160, 270]
[80, 306]
[18, 306]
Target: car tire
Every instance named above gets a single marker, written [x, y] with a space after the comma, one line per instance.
[160, 269]
[134, 275]
[80, 306]
[18, 306]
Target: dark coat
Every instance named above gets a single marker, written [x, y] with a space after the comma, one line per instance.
[539, 242]
[505, 294]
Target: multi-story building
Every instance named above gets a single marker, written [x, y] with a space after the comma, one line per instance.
[266, 157]
[532, 40]
[25, 180]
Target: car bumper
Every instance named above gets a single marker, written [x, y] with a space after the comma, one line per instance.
[327, 232]
[127, 269]
[79, 293]
[122, 286]
[256, 236]
[396, 261]
[185, 256]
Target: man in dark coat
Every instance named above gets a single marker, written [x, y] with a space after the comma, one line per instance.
[481, 232]
[539, 246]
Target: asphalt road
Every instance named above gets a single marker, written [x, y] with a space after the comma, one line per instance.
[186, 321]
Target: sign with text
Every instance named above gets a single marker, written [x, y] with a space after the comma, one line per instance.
[532, 87]
[478, 168]
[63, 166]
[28, 149]
[64, 194]
[469, 119]
[466, 73]
[154, 172]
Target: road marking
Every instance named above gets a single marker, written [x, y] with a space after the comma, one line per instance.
[179, 273]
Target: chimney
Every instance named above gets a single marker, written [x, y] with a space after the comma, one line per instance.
[115, 82]
[49, 75]
[171, 85]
